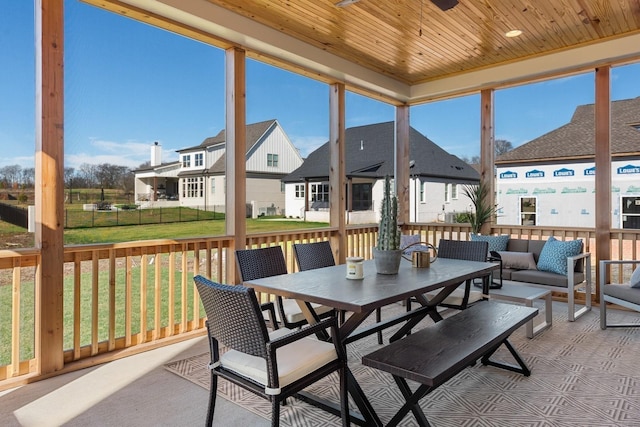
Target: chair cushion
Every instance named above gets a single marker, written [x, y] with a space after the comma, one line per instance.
[553, 257]
[624, 293]
[635, 278]
[496, 243]
[455, 297]
[518, 260]
[295, 360]
[293, 313]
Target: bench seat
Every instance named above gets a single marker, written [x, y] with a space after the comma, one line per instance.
[433, 355]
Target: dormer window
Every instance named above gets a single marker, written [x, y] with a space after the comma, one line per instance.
[198, 159]
[186, 161]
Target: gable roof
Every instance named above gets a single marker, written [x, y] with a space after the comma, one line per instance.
[254, 132]
[576, 139]
[369, 153]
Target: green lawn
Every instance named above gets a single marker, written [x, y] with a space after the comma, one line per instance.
[107, 235]
[177, 230]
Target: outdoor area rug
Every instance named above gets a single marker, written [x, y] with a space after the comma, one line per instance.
[581, 376]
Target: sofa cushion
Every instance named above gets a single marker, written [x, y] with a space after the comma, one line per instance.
[635, 278]
[553, 257]
[535, 247]
[518, 260]
[518, 245]
[545, 278]
[496, 243]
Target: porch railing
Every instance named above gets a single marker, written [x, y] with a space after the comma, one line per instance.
[128, 297]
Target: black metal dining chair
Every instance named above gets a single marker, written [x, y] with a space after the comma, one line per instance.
[272, 365]
[463, 296]
[266, 262]
[314, 255]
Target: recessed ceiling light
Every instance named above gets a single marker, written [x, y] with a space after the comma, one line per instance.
[513, 33]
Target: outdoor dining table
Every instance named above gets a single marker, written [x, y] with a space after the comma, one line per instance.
[329, 286]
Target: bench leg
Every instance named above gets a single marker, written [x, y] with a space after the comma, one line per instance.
[411, 404]
[522, 367]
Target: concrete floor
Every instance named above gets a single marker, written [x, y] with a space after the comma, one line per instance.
[134, 391]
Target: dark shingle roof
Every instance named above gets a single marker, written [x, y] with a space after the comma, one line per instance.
[576, 139]
[369, 153]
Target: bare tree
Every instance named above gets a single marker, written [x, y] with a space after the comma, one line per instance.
[502, 146]
[88, 174]
[28, 177]
[10, 174]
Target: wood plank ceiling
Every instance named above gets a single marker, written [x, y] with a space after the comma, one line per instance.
[398, 39]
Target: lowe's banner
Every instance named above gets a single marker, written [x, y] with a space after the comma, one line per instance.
[535, 174]
[508, 175]
[564, 172]
[624, 170]
[590, 171]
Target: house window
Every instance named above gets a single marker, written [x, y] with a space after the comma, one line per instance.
[528, 211]
[299, 191]
[362, 198]
[319, 192]
[454, 191]
[213, 186]
[423, 192]
[198, 159]
[282, 187]
[447, 195]
[193, 187]
[186, 161]
[272, 160]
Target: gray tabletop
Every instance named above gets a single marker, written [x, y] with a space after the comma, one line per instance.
[329, 286]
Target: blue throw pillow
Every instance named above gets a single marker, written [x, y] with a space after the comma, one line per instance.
[553, 257]
[496, 243]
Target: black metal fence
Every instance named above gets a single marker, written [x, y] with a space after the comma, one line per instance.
[14, 215]
[116, 216]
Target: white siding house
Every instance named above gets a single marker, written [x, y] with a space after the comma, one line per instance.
[270, 157]
[550, 181]
[198, 178]
[436, 179]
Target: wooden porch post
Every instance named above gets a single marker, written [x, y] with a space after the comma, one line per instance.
[603, 167]
[236, 150]
[402, 162]
[337, 189]
[487, 151]
[49, 185]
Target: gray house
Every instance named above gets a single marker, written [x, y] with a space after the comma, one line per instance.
[434, 184]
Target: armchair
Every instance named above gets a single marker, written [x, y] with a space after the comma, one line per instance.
[624, 295]
[272, 365]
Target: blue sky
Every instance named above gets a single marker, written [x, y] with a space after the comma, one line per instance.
[128, 84]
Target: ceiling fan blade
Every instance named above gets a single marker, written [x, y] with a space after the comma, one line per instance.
[445, 4]
[343, 3]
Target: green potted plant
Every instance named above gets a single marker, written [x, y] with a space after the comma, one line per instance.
[387, 253]
[482, 210]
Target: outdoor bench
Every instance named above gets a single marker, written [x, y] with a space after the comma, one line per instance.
[433, 355]
[520, 263]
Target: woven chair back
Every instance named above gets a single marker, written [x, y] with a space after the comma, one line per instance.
[313, 255]
[259, 263]
[462, 249]
[233, 316]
